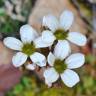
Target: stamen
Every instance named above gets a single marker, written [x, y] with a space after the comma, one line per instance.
[61, 34]
[28, 49]
[60, 66]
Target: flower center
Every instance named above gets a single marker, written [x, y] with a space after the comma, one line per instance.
[60, 66]
[60, 34]
[28, 49]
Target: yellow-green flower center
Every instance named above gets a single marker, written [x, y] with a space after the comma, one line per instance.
[60, 34]
[28, 48]
[60, 66]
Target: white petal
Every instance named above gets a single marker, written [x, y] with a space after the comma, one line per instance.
[62, 49]
[70, 78]
[31, 66]
[19, 59]
[48, 36]
[51, 75]
[48, 83]
[51, 22]
[13, 43]
[38, 59]
[27, 33]
[75, 60]
[77, 38]
[66, 19]
[51, 59]
[39, 43]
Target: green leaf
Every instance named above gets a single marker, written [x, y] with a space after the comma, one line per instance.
[2, 12]
[18, 89]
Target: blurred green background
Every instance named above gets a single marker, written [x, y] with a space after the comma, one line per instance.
[30, 85]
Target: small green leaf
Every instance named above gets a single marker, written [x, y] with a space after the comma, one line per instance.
[2, 12]
[18, 89]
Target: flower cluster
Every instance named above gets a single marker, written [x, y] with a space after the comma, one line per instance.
[60, 60]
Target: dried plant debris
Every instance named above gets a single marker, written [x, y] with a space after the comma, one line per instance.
[17, 9]
[13, 11]
[85, 9]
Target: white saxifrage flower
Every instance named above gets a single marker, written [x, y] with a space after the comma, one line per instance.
[61, 65]
[59, 30]
[26, 48]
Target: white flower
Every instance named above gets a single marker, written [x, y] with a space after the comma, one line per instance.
[58, 29]
[26, 48]
[61, 67]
